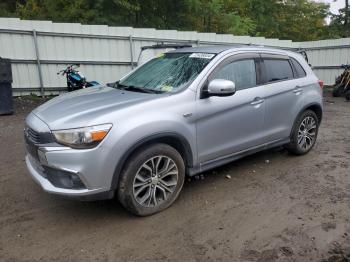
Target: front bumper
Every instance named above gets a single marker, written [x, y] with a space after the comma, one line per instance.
[37, 173]
[52, 165]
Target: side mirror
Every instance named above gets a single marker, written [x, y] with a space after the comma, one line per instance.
[220, 87]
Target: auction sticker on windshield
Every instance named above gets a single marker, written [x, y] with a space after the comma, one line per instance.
[202, 55]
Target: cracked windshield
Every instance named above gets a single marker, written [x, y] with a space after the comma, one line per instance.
[167, 73]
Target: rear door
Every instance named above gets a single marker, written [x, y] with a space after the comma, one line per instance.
[283, 95]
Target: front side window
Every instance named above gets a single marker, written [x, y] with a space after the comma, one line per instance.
[169, 72]
[278, 70]
[242, 73]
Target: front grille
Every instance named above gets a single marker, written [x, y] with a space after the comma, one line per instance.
[36, 137]
[33, 135]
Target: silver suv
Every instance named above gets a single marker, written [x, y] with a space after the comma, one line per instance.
[182, 113]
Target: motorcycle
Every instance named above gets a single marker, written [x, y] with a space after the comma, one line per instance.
[75, 80]
[342, 83]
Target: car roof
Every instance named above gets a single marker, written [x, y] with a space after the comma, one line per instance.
[221, 48]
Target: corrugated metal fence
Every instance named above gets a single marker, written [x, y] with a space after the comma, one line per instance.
[39, 49]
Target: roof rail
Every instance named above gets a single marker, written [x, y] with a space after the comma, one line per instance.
[161, 45]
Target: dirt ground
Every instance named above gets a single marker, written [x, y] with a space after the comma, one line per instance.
[275, 207]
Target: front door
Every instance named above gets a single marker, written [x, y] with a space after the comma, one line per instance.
[226, 125]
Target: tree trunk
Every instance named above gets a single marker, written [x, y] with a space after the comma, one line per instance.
[347, 11]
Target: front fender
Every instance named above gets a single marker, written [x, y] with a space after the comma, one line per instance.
[135, 136]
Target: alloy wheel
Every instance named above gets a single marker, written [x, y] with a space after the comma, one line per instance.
[155, 181]
[307, 133]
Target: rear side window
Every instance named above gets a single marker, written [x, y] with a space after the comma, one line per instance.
[299, 70]
[242, 73]
[278, 70]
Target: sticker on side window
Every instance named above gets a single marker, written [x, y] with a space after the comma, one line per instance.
[202, 55]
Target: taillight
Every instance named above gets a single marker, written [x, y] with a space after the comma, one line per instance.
[320, 82]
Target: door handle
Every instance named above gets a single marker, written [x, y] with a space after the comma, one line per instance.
[297, 89]
[257, 101]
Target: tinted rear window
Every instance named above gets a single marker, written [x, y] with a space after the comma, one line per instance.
[278, 70]
[299, 70]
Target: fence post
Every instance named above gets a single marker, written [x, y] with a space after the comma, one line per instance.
[42, 92]
[131, 51]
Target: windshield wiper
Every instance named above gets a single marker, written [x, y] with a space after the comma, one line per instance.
[137, 89]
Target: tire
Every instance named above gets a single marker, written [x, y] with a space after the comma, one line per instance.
[300, 140]
[347, 95]
[69, 87]
[338, 79]
[338, 91]
[137, 181]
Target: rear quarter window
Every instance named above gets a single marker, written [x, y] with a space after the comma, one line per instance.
[278, 70]
[299, 70]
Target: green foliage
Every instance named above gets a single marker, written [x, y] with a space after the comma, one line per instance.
[217, 16]
[340, 24]
[7, 8]
[298, 20]
[58, 10]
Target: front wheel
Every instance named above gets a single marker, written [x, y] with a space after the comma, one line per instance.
[151, 180]
[304, 133]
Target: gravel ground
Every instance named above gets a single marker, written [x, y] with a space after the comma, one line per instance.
[267, 207]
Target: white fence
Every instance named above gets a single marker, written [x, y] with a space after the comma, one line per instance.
[39, 49]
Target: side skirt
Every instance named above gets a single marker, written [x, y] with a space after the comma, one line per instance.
[202, 167]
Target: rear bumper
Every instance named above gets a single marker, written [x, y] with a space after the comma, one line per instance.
[36, 171]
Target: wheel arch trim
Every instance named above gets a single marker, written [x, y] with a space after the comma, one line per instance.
[158, 137]
[306, 107]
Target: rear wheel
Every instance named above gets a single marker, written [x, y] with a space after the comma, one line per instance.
[304, 134]
[338, 90]
[151, 180]
[347, 95]
[69, 86]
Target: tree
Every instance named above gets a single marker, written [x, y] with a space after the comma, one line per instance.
[7, 8]
[340, 24]
[346, 14]
[302, 20]
[298, 20]
[219, 16]
[58, 10]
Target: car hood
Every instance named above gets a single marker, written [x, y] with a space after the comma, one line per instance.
[87, 107]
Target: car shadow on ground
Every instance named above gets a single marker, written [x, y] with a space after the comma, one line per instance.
[112, 208]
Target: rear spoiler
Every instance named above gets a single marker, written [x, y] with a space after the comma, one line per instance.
[304, 54]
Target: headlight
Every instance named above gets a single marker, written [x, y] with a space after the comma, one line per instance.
[86, 137]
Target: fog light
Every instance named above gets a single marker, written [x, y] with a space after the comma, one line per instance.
[63, 179]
